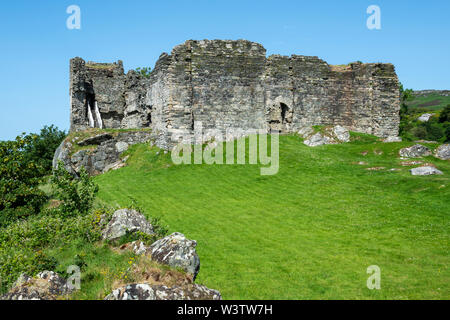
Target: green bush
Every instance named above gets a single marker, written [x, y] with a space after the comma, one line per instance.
[20, 196]
[23, 244]
[42, 147]
[445, 114]
[77, 195]
[145, 71]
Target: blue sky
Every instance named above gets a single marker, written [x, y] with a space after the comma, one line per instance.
[36, 45]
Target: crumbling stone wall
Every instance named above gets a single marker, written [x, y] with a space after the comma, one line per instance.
[231, 84]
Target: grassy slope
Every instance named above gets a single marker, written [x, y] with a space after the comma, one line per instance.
[309, 232]
[431, 102]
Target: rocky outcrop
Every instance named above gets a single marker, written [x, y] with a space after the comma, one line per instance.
[99, 153]
[97, 139]
[47, 285]
[144, 291]
[126, 220]
[416, 151]
[330, 135]
[178, 252]
[443, 152]
[425, 171]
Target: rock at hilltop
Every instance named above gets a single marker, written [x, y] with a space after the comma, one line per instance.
[178, 252]
[144, 291]
[97, 139]
[392, 139]
[126, 220]
[331, 135]
[416, 151]
[341, 133]
[100, 153]
[425, 171]
[443, 152]
[47, 285]
[318, 139]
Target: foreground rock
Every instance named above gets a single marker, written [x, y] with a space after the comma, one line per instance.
[48, 285]
[144, 291]
[331, 135]
[178, 252]
[126, 220]
[102, 152]
[416, 151]
[443, 152]
[425, 171]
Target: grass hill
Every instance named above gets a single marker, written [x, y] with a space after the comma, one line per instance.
[429, 100]
[308, 232]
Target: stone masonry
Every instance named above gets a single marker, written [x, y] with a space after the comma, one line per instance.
[232, 84]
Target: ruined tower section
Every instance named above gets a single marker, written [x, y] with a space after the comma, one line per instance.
[97, 94]
[231, 84]
[226, 83]
[304, 91]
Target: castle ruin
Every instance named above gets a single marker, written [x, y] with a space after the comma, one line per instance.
[232, 84]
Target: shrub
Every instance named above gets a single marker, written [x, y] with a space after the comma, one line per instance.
[77, 195]
[19, 180]
[23, 244]
[42, 147]
[145, 71]
[445, 114]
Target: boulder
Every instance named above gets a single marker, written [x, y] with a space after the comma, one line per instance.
[47, 285]
[178, 252]
[425, 117]
[392, 139]
[443, 152]
[341, 133]
[318, 139]
[305, 132]
[416, 151]
[126, 220]
[425, 171]
[331, 135]
[144, 291]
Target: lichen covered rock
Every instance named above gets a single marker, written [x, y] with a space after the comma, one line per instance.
[330, 135]
[126, 220]
[47, 285]
[416, 151]
[144, 291]
[100, 153]
[425, 171]
[178, 252]
[443, 152]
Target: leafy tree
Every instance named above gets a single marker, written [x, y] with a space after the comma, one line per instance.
[41, 147]
[19, 180]
[445, 114]
[77, 195]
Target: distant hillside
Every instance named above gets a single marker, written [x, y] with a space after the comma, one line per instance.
[429, 99]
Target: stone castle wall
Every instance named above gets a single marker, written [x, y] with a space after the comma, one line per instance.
[231, 84]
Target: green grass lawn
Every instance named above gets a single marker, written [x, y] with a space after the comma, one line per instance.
[308, 232]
